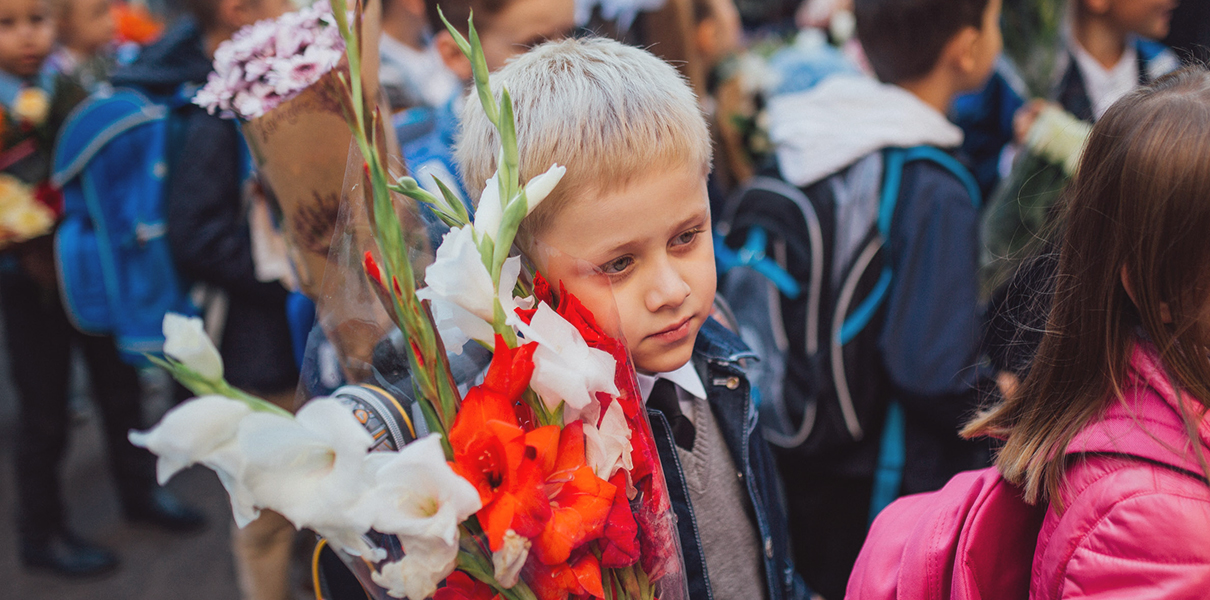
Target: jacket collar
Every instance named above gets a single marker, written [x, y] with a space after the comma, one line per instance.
[1147, 421]
[715, 342]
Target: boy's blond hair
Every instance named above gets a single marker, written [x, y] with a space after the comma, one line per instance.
[609, 112]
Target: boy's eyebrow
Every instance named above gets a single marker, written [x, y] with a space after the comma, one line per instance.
[698, 218]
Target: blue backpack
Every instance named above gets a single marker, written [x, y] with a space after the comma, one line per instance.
[804, 273]
[116, 272]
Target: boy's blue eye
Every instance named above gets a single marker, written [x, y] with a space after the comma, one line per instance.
[686, 237]
[617, 265]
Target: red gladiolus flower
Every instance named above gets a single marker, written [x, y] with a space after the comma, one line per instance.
[371, 267]
[491, 452]
[620, 547]
[579, 576]
[460, 586]
[580, 501]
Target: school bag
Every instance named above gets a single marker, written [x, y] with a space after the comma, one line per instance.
[805, 273]
[975, 538]
[115, 268]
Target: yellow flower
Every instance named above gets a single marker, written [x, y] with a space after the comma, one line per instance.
[32, 105]
[21, 216]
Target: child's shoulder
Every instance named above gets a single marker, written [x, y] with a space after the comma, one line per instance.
[715, 342]
[939, 183]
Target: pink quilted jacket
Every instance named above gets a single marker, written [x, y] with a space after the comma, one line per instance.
[1132, 529]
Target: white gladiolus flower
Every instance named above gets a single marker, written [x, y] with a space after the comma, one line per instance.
[608, 447]
[490, 210]
[565, 368]
[1059, 137]
[185, 340]
[417, 574]
[202, 430]
[418, 495]
[311, 469]
[507, 563]
[538, 188]
[460, 290]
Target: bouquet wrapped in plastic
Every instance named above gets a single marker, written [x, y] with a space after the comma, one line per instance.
[541, 481]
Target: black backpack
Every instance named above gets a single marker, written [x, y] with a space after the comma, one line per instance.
[806, 274]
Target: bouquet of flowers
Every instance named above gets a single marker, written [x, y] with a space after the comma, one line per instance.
[22, 216]
[541, 482]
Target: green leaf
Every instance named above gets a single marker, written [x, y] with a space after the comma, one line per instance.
[453, 201]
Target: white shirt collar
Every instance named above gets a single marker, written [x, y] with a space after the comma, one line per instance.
[685, 378]
[1106, 86]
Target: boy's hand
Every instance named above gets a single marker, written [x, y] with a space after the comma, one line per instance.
[1023, 121]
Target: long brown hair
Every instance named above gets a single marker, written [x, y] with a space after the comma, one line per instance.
[1138, 208]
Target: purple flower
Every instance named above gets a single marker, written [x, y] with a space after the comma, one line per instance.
[270, 61]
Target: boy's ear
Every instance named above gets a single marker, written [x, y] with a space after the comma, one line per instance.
[961, 52]
[452, 55]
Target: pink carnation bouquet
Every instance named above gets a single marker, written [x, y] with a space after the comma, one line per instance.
[271, 62]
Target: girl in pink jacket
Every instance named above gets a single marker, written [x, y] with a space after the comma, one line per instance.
[1110, 428]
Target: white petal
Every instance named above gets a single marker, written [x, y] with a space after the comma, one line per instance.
[608, 447]
[186, 341]
[190, 432]
[508, 561]
[538, 188]
[310, 468]
[418, 495]
[459, 276]
[417, 574]
[490, 210]
[565, 368]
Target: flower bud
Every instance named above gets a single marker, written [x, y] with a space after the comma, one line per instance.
[185, 340]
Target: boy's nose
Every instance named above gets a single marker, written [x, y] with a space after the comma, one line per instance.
[668, 288]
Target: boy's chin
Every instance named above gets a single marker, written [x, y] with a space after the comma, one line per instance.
[651, 362]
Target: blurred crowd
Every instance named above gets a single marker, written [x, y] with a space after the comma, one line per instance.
[796, 94]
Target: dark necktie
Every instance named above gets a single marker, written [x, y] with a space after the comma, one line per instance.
[664, 399]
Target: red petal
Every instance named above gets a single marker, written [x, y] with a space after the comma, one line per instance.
[620, 547]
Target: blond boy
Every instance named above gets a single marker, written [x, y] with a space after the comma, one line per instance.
[633, 207]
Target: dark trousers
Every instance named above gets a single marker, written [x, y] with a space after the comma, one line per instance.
[39, 340]
[828, 517]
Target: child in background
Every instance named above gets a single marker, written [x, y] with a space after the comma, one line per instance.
[35, 102]
[633, 205]
[1112, 50]
[412, 72]
[1124, 363]
[85, 32]
[506, 29]
[925, 347]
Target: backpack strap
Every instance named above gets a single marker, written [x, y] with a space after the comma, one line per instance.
[888, 471]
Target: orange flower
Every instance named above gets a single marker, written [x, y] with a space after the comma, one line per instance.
[579, 576]
[579, 500]
[491, 451]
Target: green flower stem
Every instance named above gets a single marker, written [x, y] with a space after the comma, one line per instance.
[429, 367]
[201, 386]
[474, 560]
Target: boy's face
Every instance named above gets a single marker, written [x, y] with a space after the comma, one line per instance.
[1148, 18]
[87, 26]
[27, 34]
[651, 241]
[524, 24]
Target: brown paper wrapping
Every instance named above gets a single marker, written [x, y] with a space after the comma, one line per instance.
[301, 150]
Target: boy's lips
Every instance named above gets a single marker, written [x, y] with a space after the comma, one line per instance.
[677, 332]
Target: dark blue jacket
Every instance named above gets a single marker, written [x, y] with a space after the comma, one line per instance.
[929, 342]
[716, 356]
[207, 223]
